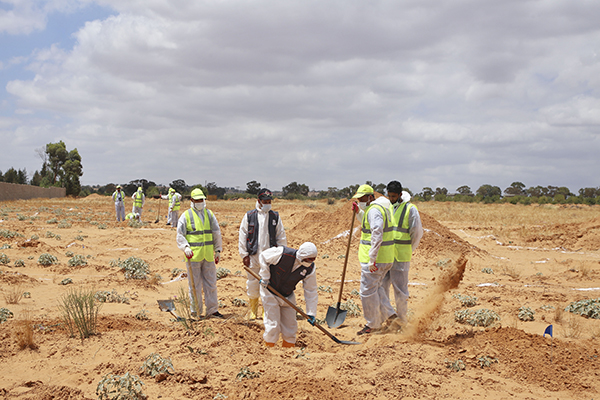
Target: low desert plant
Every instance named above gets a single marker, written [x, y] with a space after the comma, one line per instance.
[66, 281]
[4, 259]
[79, 237]
[101, 226]
[573, 327]
[222, 273]
[589, 308]
[104, 296]
[183, 305]
[466, 301]
[142, 315]
[155, 365]
[482, 317]
[353, 309]
[326, 289]
[133, 267]
[19, 263]
[64, 225]
[176, 271]
[77, 261]
[5, 233]
[47, 259]
[52, 221]
[24, 332]
[115, 387]
[246, 373]
[35, 237]
[486, 361]
[69, 254]
[5, 246]
[457, 365]
[526, 314]
[487, 271]
[79, 312]
[239, 302]
[5, 314]
[511, 271]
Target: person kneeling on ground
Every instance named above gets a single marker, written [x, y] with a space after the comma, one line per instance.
[282, 268]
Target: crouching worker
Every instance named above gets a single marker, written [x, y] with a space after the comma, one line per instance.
[199, 237]
[282, 268]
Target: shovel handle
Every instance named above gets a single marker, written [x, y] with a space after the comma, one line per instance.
[289, 303]
[346, 259]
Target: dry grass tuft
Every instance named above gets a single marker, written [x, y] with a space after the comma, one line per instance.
[559, 314]
[24, 331]
[573, 327]
[13, 295]
[511, 271]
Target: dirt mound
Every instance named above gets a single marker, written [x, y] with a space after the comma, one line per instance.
[40, 391]
[576, 236]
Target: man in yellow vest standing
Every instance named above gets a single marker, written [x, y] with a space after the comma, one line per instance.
[199, 237]
[139, 199]
[408, 232]
[174, 206]
[260, 230]
[119, 198]
[375, 254]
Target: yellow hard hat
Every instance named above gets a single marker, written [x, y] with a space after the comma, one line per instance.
[362, 191]
[171, 190]
[197, 194]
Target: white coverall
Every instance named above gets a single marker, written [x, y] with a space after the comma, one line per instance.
[205, 272]
[376, 303]
[252, 285]
[398, 274]
[279, 316]
[172, 215]
[138, 210]
[118, 197]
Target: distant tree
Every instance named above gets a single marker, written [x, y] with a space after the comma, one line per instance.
[36, 179]
[180, 186]
[15, 176]
[464, 190]
[213, 189]
[380, 188]
[252, 187]
[295, 189]
[586, 193]
[535, 191]
[487, 191]
[62, 168]
[564, 191]
[427, 193]
[348, 191]
[57, 156]
[515, 189]
[72, 170]
[442, 190]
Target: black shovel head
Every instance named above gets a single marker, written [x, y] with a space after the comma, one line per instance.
[335, 317]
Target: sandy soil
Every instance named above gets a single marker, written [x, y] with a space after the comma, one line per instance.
[544, 272]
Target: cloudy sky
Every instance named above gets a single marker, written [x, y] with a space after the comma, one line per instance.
[437, 93]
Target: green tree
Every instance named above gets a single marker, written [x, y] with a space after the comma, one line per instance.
[57, 156]
[213, 189]
[427, 193]
[515, 189]
[252, 187]
[464, 190]
[16, 176]
[61, 168]
[295, 189]
[72, 170]
[488, 191]
[180, 186]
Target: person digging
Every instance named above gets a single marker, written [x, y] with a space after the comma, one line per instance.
[283, 268]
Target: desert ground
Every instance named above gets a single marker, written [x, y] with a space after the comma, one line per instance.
[538, 257]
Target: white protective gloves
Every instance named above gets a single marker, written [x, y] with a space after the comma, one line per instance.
[188, 252]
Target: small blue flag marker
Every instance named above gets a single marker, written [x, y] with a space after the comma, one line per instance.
[548, 331]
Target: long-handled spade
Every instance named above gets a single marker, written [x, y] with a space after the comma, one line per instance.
[289, 303]
[158, 213]
[191, 278]
[335, 316]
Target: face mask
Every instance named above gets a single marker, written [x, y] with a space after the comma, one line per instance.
[198, 206]
[362, 205]
[266, 207]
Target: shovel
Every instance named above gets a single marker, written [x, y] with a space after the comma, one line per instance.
[168, 305]
[335, 317]
[158, 213]
[289, 303]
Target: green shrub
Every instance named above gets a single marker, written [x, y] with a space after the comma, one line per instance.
[66, 281]
[246, 373]
[133, 267]
[587, 308]
[79, 312]
[77, 260]
[326, 289]
[155, 365]
[47, 259]
[52, 221]
[64, 225]
[105, 296]
[466, 301]
[5, 246]
[35, 237]
[457, 365]
[481, 317]
[9, 234]
[19, 263]
[487, 271]
[352, 309]
[5, 314]
[142, 315]
[4, 259]
[222, 273]
[526, 314]
[239, 302]
[486, 361]
[115, 387]
[69, 254]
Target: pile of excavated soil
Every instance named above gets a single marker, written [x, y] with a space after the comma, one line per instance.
[575, 236]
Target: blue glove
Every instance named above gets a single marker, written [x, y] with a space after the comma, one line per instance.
[264, 283]
[311, 320]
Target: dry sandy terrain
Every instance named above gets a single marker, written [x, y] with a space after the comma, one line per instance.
[542, 262]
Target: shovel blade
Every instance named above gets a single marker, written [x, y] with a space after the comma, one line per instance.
[335, 317]
[166, 305]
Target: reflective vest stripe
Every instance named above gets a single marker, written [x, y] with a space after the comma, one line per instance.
[402, 239]
[199, 236]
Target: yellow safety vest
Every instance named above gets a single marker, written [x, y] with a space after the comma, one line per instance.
[386, 251]
[199, 236]
[177, 204]
[138, 199]
[116, 193]
[402, 239]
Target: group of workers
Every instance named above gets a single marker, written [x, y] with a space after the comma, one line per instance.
[391, 230]
[139, 199]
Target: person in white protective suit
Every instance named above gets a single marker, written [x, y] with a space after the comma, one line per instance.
[139, 199]
[375, 254]
[283, 268]
[119, 197]
[199, 237]
[260, 229]
[174, 206]
[408, 232]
